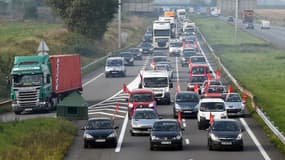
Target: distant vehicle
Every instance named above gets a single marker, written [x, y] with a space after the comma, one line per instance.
[161, 34]
[185, 57]
[166, 133]
[230, 19]
[234, 104]
[225, 133]
[115, 66]
[142, 121]
[128, 58]
[157, 59]
[159, 82]
[186, 102]
[213, 91]
[250, 26]
[196, 79]
[140, 98]
[199, 70]
[147, 37]
[265, 24]
[136, 52]
[165, 67]
[212, 82]
[215, 11]
[210, 106]
[146, 48]
[247, 16]
[99, 131]
[175, 47]
[181, 14]
[159, 53]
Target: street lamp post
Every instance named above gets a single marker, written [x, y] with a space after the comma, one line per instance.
[236, 19]
[119, 23]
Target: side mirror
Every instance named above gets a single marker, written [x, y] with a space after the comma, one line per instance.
[116, 127]
[170, 85]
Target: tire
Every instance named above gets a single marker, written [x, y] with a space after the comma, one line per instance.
[210, 147]
[200, 126]
[114, 145]
[174, 114]
[180, 147]
[17, 112]
[86, 145]
[132, 133]
[106, 75]
[151, 147]
[241, 148]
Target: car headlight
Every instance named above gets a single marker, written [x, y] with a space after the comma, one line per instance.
[214, 137]
[135, 124]
[224, 116]
[141, 49]
[131, 105]
[178, 137]
[239, 137]
[154, 138]
[151, 105]
[112, 135]
[87, 136]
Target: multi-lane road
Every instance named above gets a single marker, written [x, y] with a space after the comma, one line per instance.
[103, 94]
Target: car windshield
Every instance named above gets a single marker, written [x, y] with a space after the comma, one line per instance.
[232, 98]
[141, 97]
[188, 53]
[145, 115]
[212, 107]
[186, 97]
[165, 126]
[162, 32]
[99, 124]
[225, 126]
[148, 45]
[155, 82]
[134, 50]
[176, 44]
[159, 59]
[162, 67]
[126, 55]
[198, 60]
[115, 62]
[27, 80]
[215, 90]
[198, 70]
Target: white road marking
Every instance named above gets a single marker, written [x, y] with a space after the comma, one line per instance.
[177, 70]
[122, 134]
[107, 114]
[203, 53]
[93, 79]
[107, 109]
[255, 140]
[187, 141]
[184, 123]
[102, 107]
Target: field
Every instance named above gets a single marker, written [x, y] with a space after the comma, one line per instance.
[42, 138]
[276, 16]
[253, 62]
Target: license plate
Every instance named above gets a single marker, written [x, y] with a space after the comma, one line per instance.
[28, 109]
[100, 140]
[187, 111]
[165, 142]
[226, 143]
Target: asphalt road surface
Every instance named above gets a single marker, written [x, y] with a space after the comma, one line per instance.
[104, 94]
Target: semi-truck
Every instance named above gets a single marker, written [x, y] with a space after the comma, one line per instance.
[247, 16]
[172, 22]
[161, 34]
[40, 81]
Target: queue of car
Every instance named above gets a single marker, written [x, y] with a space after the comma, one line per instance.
[206, 98]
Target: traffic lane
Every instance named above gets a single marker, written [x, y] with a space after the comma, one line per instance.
[103, 88]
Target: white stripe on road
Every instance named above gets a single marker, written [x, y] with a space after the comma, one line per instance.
[203, 53]
[122, 134]
[107, 109]
[107, 114]
[93, 79]
[255, 140]
[187, 141]
[184, 123]
[177, 70]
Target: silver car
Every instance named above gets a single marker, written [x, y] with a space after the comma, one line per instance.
[142, 121]
[234, 104]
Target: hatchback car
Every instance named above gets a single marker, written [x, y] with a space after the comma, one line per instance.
[166, 133]
[99, 131]
[186, 102]
[136, 53]
[142, 121]
[225, 133]
[115, 66]
[234, 104]
[128, 58]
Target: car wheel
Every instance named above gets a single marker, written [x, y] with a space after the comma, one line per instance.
[106, 76]
[210, 147]
[240, 148]
[86, 145]
[132, 133]
[17, 112]
[200, 126]
[180, 147]
[114, 145]
[174, 114]
[151, 147]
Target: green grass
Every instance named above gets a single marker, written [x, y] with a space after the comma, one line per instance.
[257, 65]
[41, 138]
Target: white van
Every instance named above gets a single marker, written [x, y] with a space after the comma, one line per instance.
[265, 24]
[115, 67]
[207, 106]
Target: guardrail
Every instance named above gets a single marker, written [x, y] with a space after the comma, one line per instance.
[86, 66]
[262, 115]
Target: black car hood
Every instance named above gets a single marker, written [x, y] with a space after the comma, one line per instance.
[226, 134]
[99, 132]
[165, 133]
[187, 105]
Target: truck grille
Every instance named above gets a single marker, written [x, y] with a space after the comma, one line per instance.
[28, 99]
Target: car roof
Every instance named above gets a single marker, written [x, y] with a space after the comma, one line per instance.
[155, 73]
[142, 90]
[115, 58]
[166, 120]
[99, 118]
[226, 120]
[144, 109]
[211, 100]
[185, 92]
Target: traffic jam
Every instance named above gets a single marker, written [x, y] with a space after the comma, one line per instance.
[200, 94]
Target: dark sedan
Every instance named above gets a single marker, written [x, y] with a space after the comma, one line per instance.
[166, 133]
[128, 58]
[98, 131]
[146, 48]
[225, 133]
[137, 53]
[186, 102]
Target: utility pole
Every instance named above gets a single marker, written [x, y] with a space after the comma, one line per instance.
[236, 19]
[119, 23]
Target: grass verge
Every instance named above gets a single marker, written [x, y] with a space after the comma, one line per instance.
[41, 138]
[255, 64]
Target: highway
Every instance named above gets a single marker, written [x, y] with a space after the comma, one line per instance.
[104, 94]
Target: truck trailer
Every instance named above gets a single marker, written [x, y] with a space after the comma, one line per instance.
[39, 82]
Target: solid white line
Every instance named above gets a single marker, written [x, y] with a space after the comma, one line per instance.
[113, 110]
[202, 51]
[88, 82]
[177, 71]
[183, 120]
[255, 140]
[122, 134]
[102, 107]
[107, 114]
[187, 141]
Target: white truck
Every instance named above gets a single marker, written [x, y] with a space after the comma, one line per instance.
[161, 34]
[265, 24]
[171, 20]
[159, 82]
[181, 14]
[189, 27]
